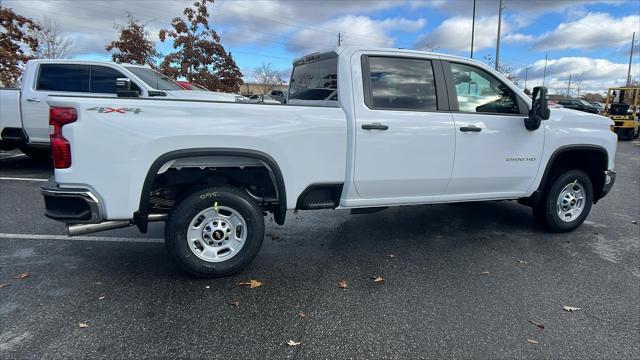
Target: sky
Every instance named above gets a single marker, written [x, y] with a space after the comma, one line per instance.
[589, 40]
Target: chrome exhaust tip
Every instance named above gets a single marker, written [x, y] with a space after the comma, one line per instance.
[82, 229]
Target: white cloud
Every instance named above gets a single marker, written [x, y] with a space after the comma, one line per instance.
[595, 30]
[455, 34]
[518, 38]
[595, 74]
[355, 30]
[522, 7]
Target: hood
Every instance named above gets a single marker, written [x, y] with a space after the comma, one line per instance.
[579, 117]
[204, 95]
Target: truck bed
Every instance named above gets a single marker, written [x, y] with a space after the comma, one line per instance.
[116, 140]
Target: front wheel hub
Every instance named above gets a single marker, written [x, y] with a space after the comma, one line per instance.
[570, 201]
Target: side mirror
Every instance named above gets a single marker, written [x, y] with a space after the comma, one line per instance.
[123, 88]
[539, 109]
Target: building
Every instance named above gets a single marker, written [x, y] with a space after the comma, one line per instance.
[258, 89]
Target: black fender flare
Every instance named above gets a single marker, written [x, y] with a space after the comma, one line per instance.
[537, 195]
[140, 217]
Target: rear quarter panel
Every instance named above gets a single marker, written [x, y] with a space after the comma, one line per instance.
[112, 151]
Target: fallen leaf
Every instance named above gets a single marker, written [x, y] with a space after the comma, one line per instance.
[523, 262]
[343, 284]
[83, 325]
[234, 303]
[275, 237]
[303, 316]
[377, 279]
[3, 285]
[22, 275]
[299, 217]
[571, 308]
[391, 255]
[293, 343]
[541, 326]
[486, 273]
[531, 341]
[252, 284]
[101, 297]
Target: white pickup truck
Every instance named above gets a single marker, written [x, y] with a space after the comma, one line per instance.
[24, 113]
[363, 129]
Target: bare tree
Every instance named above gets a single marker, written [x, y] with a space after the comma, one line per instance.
[579, 86]
[266, 77]
[503, 68]
[53, 44]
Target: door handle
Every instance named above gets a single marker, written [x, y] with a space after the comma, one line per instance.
[375, 126]
[33, 100]
[471, 128]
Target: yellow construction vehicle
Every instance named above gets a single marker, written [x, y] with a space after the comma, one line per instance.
[621, 106]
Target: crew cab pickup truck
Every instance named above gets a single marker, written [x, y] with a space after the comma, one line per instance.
[363, 129]
[24, 113]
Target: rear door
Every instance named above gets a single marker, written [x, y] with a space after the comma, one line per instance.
[496, 156]
[404, 134]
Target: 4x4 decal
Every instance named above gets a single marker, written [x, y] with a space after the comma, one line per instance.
[106, 110]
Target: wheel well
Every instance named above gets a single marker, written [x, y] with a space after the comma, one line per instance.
[592, 160]
[176, 175]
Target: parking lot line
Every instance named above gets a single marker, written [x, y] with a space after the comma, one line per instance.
[21, 179]
[80, 238]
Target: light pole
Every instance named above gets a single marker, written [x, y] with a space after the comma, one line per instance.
[498, 38]
[473, 26]
[633, 40]
[544, 74]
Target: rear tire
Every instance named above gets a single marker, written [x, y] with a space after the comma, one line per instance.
[566, 203]
[215, 232]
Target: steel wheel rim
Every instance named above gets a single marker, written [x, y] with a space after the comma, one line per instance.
[217, 234]
[571, 201]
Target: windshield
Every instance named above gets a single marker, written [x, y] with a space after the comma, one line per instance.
[316, 80]
[154, 79]
[584, 102]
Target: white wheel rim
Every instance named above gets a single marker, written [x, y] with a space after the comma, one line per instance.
[217, 234]
[571, 201]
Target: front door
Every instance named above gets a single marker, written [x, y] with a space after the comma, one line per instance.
[404, 144]
[496, 156]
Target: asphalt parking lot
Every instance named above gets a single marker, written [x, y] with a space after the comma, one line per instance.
[460, 281]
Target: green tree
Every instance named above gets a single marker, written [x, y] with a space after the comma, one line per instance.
[199, 56]
[16, 40]
[133, 45]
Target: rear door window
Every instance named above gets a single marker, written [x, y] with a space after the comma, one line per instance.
[316, 80]
[400, 84]
[63, 77]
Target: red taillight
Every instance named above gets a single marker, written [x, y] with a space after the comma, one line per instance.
[60, 147]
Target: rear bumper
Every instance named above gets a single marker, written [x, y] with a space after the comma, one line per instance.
[71, 205]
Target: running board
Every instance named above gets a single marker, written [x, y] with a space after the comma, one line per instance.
[82, 229]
